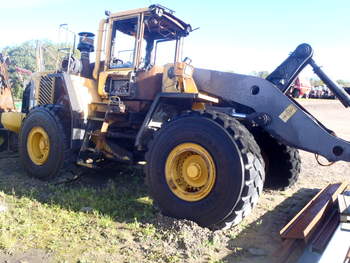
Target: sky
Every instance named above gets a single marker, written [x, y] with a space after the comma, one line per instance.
[237, 35]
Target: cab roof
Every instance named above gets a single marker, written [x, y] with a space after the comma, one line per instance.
[160, 23]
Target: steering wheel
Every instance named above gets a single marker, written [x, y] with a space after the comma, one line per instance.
[117, 61]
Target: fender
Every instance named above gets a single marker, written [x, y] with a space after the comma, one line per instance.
[183, 101]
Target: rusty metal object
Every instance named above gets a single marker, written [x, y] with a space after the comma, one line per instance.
[6, 100]
[314, 224]
[303, 225]
[323, 236]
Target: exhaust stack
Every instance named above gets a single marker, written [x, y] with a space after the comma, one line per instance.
[86, 46]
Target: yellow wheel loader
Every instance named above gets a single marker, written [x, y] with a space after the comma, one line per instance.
[209, 139]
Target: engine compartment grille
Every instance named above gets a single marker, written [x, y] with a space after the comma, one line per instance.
[46, 90]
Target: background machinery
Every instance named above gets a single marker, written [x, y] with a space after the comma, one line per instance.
[210, 139]
[7, 138]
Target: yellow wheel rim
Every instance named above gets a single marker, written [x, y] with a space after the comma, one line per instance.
[38, 145]
[190, 172]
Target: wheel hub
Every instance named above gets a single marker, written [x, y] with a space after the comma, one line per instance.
[194, 171]
[38, 145]
[190, 172]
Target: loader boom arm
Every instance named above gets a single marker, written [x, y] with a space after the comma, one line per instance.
[282, 117]
[284, 75]
[339, 92]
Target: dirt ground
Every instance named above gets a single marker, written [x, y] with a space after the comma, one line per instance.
[276, 208]
[254, 240]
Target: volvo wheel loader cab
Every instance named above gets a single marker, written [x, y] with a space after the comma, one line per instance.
[208, 137]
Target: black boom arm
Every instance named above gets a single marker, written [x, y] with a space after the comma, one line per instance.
[284, 75]
[283, 118]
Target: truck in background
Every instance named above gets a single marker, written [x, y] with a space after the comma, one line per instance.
[301, 88]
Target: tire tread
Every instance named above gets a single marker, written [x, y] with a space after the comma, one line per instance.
[254, 171]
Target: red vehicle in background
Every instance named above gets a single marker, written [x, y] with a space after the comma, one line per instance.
[301, 88]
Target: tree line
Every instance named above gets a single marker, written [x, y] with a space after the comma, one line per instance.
[24, 58]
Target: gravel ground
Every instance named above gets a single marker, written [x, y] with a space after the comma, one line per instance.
[255, 239]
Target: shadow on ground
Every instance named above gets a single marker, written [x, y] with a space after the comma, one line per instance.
[116, 191]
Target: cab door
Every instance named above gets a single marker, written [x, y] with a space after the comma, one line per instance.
[122, 56]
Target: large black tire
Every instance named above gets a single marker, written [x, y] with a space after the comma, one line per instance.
[49, 118]
[283, 163]
[239, 169]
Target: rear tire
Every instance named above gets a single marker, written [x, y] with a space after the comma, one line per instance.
[283, 163]
[43, 142]
[238, 169]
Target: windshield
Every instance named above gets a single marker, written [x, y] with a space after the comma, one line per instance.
[159, 43]
[123, 43]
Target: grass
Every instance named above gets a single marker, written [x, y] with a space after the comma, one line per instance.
[106, 216]
[75, 224]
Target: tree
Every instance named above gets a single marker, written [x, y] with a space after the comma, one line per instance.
[343, 83]
[24, 56]
[316, 82]
[21, 56]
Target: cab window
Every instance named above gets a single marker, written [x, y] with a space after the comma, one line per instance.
[124, 43]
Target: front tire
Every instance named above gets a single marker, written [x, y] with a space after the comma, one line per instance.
[206, 168]
[43, 142]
